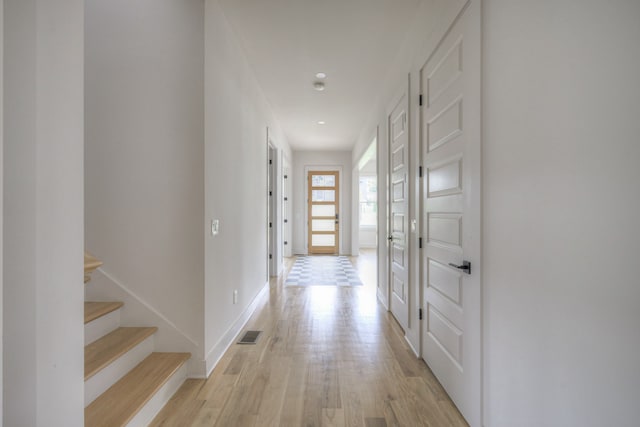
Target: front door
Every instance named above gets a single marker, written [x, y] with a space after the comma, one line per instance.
[323, 211]
[399, 211]
[451, 331]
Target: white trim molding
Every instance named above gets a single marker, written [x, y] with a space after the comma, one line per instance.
[215, 354]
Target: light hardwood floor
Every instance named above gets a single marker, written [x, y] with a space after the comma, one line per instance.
[328, 356]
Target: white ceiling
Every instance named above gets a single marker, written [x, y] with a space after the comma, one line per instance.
[288, 41]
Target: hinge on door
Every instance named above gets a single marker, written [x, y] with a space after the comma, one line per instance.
[285, 199]
[420, 242]
[420, 313]
[420, 100]
[286, 221]
[420, 171]
[270, 193]
[285, 177]
[271, 257]
[269, 225]
[270, 161]
[286, 243]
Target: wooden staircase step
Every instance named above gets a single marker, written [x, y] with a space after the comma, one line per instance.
[102, 352]
[94, 310]
[120, 403]
[90, 264]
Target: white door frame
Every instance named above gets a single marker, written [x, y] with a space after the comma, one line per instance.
[272, 209]
[421, 141]
[404, 90]
[287, 240]
[307, 168]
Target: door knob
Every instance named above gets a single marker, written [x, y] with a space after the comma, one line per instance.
[466, 266]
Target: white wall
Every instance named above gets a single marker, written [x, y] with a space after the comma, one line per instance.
[236, 120]
[144, 166]
[43, 213]
[324, 159]
[561, 208]
[368, 237]
[1, 195]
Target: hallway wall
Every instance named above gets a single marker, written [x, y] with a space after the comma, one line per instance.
[302, 159]
[236, 119]
[561, 208]
[176, 136]
[144, 164]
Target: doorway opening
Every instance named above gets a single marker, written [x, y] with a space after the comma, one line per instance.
[365, 214]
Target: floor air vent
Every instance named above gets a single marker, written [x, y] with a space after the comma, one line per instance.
[250, 337]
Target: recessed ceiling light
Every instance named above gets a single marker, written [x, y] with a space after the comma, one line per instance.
[320, 75]
[321, 122]
[319, 86]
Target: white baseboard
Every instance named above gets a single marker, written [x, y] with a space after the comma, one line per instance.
[416, 352]
[383, 299]
[218, 350]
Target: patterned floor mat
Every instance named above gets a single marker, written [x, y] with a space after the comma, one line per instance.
[323, 271]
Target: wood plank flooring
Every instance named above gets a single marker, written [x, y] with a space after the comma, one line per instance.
[328, 356]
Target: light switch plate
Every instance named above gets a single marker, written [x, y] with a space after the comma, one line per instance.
[215, 227]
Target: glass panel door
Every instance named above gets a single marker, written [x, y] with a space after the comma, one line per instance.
[324, 220]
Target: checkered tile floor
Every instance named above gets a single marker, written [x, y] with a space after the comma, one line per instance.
[323, 271]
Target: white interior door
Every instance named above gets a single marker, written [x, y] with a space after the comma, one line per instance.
[451, 333]
[399, 211]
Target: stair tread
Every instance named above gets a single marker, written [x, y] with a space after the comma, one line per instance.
[91, 262]
[120, 403]
[102, 352]
[94, 309]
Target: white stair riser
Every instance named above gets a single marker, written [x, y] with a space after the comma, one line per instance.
[100, 382]
[101, 326]
[157, 402]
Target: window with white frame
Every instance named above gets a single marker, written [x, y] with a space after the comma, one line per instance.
[368, 201]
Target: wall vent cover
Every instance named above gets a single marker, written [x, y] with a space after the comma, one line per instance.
[250, 337]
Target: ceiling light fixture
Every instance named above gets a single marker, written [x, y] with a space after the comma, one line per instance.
[320, 75]
[321, 122]
[319, 86]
